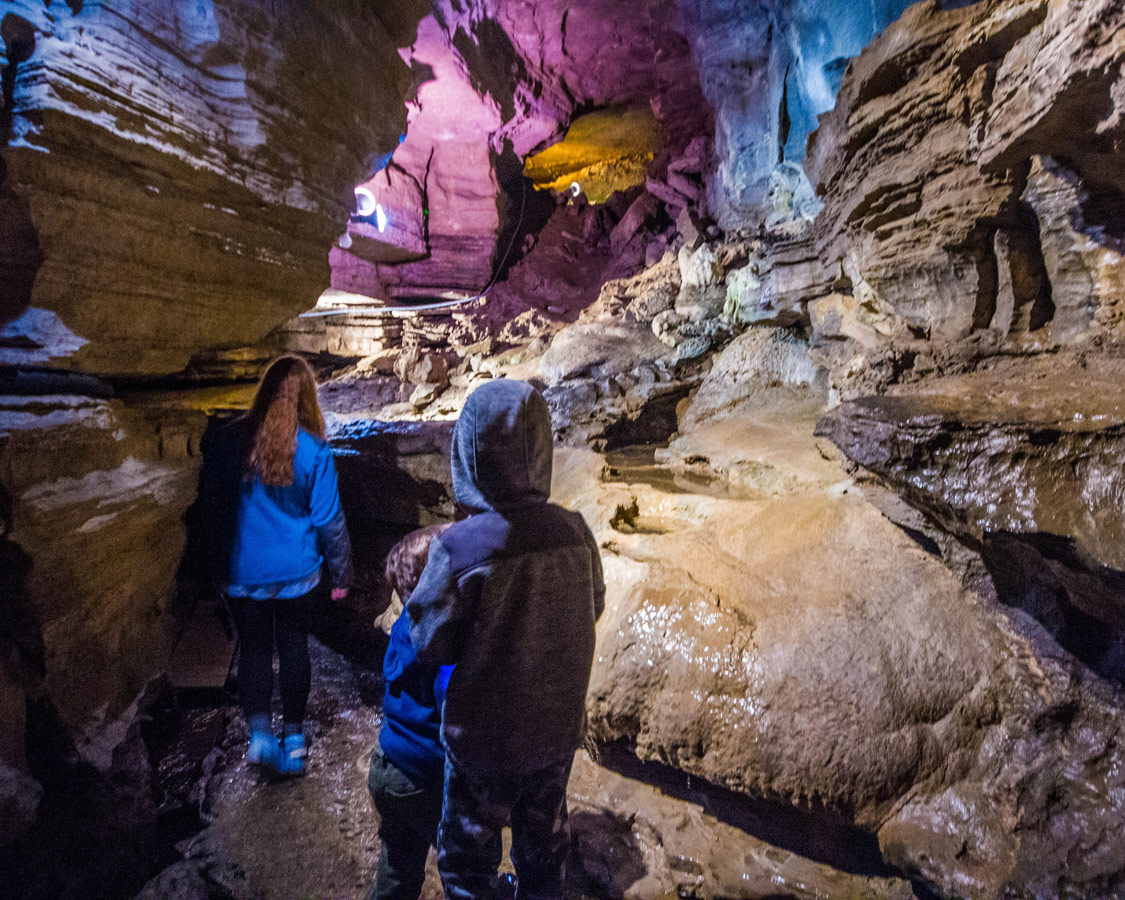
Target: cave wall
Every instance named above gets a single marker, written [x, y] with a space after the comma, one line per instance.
[171, 178]
[494, 81]
[769, 70]
[184, 167]
[944, 165]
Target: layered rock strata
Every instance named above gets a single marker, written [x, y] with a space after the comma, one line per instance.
[97, 492]
[944, 209]
[184, 167]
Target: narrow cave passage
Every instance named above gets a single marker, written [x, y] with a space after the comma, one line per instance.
[824, 303]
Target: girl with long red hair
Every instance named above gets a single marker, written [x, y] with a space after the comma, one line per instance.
[269, 486]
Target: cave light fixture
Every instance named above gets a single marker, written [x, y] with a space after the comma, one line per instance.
[365, 203]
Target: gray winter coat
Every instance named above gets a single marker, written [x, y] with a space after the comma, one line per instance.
[510, 594]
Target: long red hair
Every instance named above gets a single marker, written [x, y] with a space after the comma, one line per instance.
[285, 400]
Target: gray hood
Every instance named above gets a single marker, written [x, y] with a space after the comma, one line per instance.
[502, 447]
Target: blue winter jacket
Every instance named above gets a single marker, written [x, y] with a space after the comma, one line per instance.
[273, 535]
[413, 693]
[510, 594]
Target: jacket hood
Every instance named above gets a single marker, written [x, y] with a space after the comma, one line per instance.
[502, 448]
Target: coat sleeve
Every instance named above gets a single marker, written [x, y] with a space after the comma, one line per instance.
[437, 610]
[328, 519]
[209, 519]
[598, 575]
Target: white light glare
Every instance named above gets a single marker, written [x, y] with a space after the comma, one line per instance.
[575, 189]
[345, 240]
[365, 203]
[380, 217]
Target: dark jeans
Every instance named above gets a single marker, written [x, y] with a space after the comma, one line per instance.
[261, 624]
[475, 811]
[408, 827]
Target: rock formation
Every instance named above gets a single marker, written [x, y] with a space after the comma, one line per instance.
[182, 168]
[844, 415]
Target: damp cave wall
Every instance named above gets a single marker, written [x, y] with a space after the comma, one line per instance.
[951, 129]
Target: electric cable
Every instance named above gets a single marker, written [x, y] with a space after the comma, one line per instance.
[445, 304]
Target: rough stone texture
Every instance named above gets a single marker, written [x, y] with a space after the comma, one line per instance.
[635, 842]
[1025, 468]
[777, 283]
[440, 181]
[599, 350]
[770, 631]
[915, 228]
[963, 441]
[1061, 91]
[924, 164]
[495, 81]
[20, 795]
[185, 166]
[769, 69]
[98, 491]
[759, 356]
[1083, 258]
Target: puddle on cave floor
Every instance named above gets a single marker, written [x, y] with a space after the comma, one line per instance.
[637, 464]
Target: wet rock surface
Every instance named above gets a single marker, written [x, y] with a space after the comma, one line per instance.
[236, 835]
[769, 630]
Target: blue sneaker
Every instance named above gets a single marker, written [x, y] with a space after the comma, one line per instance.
[264, 750]
[293, 755]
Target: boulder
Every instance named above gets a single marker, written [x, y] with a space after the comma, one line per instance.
[416, 366]
[786, 640]
[598, 349]
[757, 358]
[702, 292]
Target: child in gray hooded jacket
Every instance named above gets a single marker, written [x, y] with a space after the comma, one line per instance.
[510, 596]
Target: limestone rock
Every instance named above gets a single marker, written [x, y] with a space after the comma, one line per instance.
[423, 395]
[776, 284]
[791, 642]
[184, 880]
[416, 366]
[1059, 93]
[640, 213]
[215, 146]
[634, 841]
[20, 796]
[839, 316]
[607, 348]
[768, 70]
[99, 490]
[908, 209]
[1083, 258]
[702, 292]
[958, 446]
[758, 358]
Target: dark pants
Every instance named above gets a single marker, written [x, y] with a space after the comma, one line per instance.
[261, 624]
[408, 827]
[475, 811]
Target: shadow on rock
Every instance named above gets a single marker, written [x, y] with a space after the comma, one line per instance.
[814, 832]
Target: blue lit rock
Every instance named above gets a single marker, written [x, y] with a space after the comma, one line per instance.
[768, 71]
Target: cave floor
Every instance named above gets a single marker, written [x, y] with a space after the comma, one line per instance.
[315, 838]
